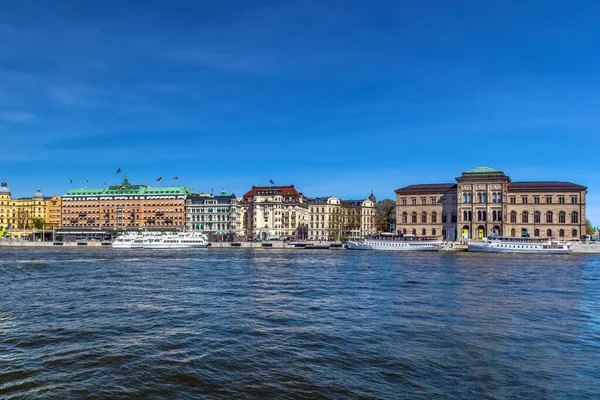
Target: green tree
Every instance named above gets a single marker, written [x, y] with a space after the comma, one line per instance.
[385, 215]
[38, 223]
[589, 229]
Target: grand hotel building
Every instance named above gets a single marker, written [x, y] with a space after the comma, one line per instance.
[485, 201]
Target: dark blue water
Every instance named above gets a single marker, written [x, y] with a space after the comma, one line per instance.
[297, 324]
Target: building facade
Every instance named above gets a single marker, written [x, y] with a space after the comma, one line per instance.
[274, 212]
[25, 216]
[485, 201]
[123, 207]
[216, 216]
[54, 212]
[332, 218]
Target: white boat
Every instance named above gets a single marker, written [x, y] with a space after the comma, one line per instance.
[184, 240]
[396, 245]
[125, 241]
[498, 244]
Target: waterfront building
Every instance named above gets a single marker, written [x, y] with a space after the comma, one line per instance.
[274, 212]
[54, 212]
[124, 207]
[332, 218]
[26, 216]
[216, 216]
[485, 201]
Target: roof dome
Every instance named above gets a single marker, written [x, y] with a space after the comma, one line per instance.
[372, 198]
[482, 170]
[38, 194]
[4, 188]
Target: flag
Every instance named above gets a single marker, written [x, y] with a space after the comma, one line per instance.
[272, 183]
[86, 182]
[71, 181]
[119, 170]
[176, 179]
[159, 179]
[104, 183]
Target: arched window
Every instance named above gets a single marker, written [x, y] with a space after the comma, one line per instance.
[525, 217]
[549, 217]
[561, 233]
[404, 231]
[470, 197]
[414, 217]
[414, 231]
[562, 217]
[537, 217]
[574, 233]
[478, 215]
[513, 217]
[423, 232]
[464, 197]
[424, 217]
[465, 216]
[513, 232]
[433, 232]
[404, 218]
[470, 215]
[434, 217]
[485, 197]
[499, 197]
[574, 217]
[499, 215]
[479, 198]
[549, 233]
[494, 197]
[536, 233]
[494, 215]
[484, 215]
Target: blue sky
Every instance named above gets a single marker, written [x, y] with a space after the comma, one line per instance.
[336, 97]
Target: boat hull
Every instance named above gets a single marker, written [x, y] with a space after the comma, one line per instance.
[483, 248]
[390, 245]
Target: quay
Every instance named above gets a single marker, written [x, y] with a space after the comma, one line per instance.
[460, 246]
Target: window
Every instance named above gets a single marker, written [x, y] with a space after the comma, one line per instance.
[562, 216]
[549, 199]
[423, 232]
[453, 200]
[549, 217]
[414, 217]
[413, 201]
[513, 199]
[494, 216]
[525, 217]
[433, 201]
[574, 233]
[524, 199]
[443, 200]
[561, 199]
[404, 201]
[494, 198]
[549, 233]
[404, 218]
[513, 217]
[465, 216]
[561, 233]
[513, 232]
[479, 198]
[414, 231]
[423, 201]
[464, 198]
[536, 199]
[433, 232]
[444, 218]
[434, 217]
[470, 216]
[424, 217]
[573, 199]
[470, 197]
[574, 217]
[454, 217]
[537, 217]
[536, 233]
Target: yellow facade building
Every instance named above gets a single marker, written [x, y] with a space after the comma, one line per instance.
[25, 217]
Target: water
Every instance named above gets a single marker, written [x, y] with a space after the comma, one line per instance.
[297, 324]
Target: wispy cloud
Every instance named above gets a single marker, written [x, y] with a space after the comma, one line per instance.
[17, 117]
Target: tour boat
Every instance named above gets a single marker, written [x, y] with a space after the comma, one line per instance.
[498, 244]
[125, 241]
[397, 245]
[158, 240]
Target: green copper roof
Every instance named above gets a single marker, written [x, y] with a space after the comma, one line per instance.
[483, 170]
[130, 190]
